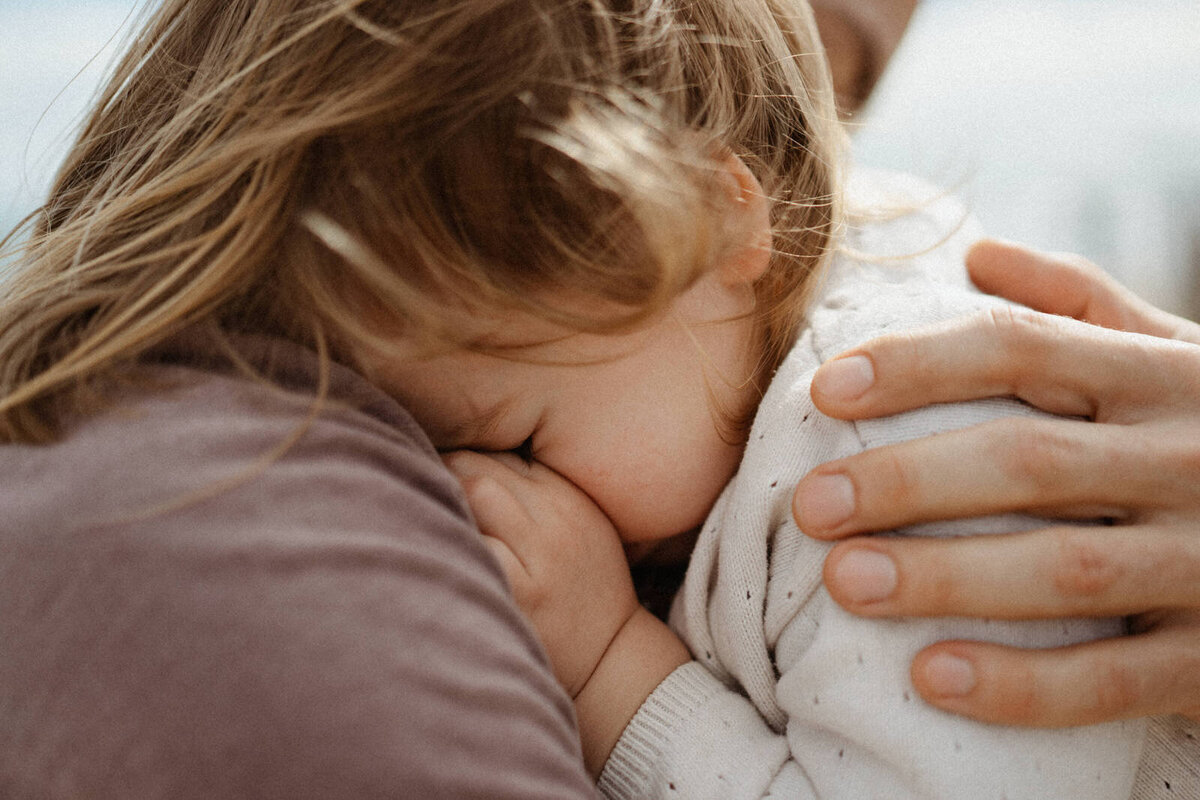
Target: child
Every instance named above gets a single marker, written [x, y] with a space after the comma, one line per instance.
[544, 226]
[788, 695]
[631, 435]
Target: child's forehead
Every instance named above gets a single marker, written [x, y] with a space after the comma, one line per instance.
[516, 354]
[480, 400]
[524, 336]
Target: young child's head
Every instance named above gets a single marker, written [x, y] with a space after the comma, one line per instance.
[372, 175]
[628, 397]
[633, 419]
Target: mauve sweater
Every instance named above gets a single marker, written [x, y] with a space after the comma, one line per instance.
[184, 616]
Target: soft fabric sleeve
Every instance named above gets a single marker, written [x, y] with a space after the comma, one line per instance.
[324, 624]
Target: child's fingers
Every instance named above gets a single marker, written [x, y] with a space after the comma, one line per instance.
[466, 464]
[497, 511]
[1120, 678]
[513, 568]
[492, 489]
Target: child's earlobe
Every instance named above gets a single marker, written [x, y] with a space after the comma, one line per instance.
[748, 252]
[746, 261]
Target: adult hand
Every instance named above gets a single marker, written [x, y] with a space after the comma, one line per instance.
[1137, 461]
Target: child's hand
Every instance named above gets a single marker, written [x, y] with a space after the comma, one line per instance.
[569, 575]
[562, 555]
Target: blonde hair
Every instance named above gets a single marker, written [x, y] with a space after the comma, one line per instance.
[300, 167]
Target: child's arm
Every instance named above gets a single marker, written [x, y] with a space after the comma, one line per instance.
[569, 575]
[641, 656]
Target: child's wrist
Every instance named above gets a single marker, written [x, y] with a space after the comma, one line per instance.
[641, 656]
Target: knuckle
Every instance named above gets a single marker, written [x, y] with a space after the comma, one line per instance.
[1036, 455]
[478, 487]
[539, 591]
[1118, 690]
[1082, 567]
[907, 357]
[944, 592]
[1021, 701]
[1021, 331]
[897, 480]
[458, 462]
[485, 492]
[534, 598]
[907, 348]
[1026, 339]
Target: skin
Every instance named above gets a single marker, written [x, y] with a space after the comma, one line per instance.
[552, 538]
[623, 417]
[1152, 574]
[619, 447]
[1096, 352]
[575, 448]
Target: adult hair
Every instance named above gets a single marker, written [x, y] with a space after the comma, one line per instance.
[339, 172]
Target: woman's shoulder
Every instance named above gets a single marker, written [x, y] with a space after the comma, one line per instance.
[202, 563]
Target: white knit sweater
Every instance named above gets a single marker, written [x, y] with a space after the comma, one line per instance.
[789, 695]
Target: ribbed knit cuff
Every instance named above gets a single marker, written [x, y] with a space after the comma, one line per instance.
[629, 772]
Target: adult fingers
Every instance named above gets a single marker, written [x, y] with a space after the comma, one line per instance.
[1060, 365]
[1121, 678]
[1043, 574]
[1069, 285]
[1053, 467]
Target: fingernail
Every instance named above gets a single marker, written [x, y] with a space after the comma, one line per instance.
[845, 378]
[865, 576]
[825, 501]
[949, 676]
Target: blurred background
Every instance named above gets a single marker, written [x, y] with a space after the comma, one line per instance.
[1067, 124]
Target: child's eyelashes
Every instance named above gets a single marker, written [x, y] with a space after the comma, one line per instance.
[525, 449]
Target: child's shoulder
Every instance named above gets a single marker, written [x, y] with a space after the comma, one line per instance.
[897, 217]
[901, 263]
[903, 229]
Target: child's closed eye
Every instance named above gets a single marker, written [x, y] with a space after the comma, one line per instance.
[525, 449]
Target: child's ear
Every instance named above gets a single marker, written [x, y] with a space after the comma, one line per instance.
[746, 257]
